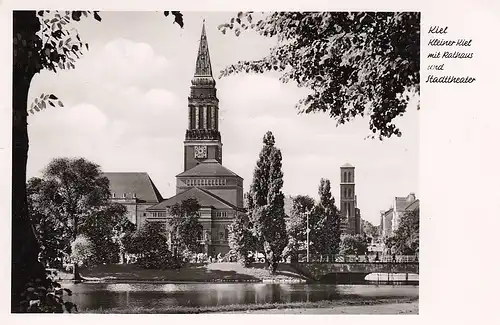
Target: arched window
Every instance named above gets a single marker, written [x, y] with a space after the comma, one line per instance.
[350, 177]
[349, 193]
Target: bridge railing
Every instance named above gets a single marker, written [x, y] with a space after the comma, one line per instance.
[315, 258]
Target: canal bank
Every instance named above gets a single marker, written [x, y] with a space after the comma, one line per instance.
[360, 307]
[230, 273]
[397, 308]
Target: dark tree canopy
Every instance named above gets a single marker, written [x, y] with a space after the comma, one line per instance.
[266, 203]
[241, 239]
[71, 199]
[185, 227]
[406, 238]
[354, 63]
[326, 236]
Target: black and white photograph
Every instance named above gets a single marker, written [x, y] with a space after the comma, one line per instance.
[186, 162]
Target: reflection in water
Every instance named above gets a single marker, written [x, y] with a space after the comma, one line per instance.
[93, 296]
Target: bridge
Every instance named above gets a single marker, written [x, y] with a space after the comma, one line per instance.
[352, 271]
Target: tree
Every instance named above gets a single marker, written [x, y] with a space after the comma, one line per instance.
[241, 239]
[74, 197]
[297, 224]
[50, 232]
[184, 226]
[369, 229]
[354, 63]
[266, 205]
[406, 238]
[353, 245]
[105, 229]
[83, 251]
[40, 41]
[326, 234]
[151, 245]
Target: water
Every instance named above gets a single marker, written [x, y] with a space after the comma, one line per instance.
[95, 296]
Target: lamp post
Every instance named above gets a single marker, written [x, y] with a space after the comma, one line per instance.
[307, 236]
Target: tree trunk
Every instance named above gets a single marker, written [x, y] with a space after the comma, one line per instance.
[25, 249]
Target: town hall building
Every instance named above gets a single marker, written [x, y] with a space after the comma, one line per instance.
[218, 190]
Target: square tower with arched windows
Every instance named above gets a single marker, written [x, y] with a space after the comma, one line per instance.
[348, 206]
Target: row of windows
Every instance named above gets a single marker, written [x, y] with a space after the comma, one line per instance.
[159, 214]
[222, 232]
[348, 192]
[125, 195]
[347, 208]
[203, 117]
[206, 182]
[348, 177]
[218, 214]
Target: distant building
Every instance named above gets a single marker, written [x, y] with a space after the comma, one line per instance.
[391, 218]
[136, 191]
[348, 201]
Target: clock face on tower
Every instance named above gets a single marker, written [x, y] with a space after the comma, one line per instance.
[200, 151]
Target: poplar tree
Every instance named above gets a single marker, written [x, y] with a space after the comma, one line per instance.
[326, 236]
[266, 205]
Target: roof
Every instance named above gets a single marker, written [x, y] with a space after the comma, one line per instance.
[347, 165]
[205, 199]
[203, 65]
[413, 206]
[388, 212]
[208, 168]
[129, 183]
[401, 203]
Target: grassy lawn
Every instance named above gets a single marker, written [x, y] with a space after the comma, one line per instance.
[362, 307]
[195, 273]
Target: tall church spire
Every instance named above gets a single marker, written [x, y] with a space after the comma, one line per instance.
[203, 139]
[203, 65]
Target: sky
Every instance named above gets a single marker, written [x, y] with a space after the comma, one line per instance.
[125, 108]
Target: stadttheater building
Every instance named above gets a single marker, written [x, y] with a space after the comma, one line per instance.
[218, 190]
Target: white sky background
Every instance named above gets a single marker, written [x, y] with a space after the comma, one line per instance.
[126, 109]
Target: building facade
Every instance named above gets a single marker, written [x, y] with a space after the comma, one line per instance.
[348, 201]
[136, 191]
[391, 218]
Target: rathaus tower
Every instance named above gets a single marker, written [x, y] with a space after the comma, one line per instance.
[203, 140]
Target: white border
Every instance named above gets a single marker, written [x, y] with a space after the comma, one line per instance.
[459, 163]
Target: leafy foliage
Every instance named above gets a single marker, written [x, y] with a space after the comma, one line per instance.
[324, 223]
[241, 239]
[184, 226]
[105, 229]
[406, 238]
[49, 230]
[72, 199]
[326, 234]
[297, 224]
[266, 203]
[178, 17]
[354, 63]
[150, 244]
[369, 229]
[83, 251]
[353, 245]
[45, 296]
